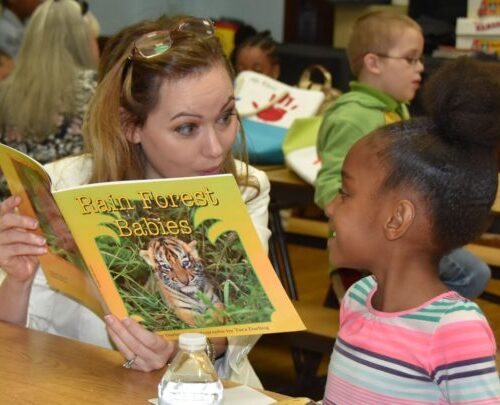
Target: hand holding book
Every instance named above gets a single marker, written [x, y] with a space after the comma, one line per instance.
[174, 254]
[20, 248]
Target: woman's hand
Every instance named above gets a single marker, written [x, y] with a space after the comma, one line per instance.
[20, 246]
[143, 350]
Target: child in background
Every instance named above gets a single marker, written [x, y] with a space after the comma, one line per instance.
[243, 32]
[411, 192]
[384, 53]
[258, 53]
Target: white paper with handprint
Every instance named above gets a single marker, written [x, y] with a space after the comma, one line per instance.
[263, 99]
[305, 162]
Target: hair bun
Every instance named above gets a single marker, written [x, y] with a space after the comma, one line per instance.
[463, 100]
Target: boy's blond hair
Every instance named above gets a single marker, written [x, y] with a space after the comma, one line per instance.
[375, 32]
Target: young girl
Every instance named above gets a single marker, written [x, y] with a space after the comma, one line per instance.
[258, 53]
[411, 192]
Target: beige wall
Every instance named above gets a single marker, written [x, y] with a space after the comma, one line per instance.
[346, 14]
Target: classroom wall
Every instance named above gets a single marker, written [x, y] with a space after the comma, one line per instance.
[262, 14]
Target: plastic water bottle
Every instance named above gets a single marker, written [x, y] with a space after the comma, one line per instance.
[191, 377]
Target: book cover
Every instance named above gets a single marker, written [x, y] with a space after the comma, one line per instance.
[176, 254]
[63, 264]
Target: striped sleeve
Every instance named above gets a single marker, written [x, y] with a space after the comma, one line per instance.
[463, 353]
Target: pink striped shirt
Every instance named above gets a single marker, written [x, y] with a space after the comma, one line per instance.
[442, 352]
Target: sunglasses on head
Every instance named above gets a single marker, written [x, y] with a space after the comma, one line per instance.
[158, 42]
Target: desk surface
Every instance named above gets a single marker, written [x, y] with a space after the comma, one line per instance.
[284, 175]
[281, 176]
[496, 205]
[36, 367]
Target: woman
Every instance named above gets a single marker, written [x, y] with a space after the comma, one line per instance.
[165, 108]
[43, 101]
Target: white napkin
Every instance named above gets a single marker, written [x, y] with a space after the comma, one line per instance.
[241, 395]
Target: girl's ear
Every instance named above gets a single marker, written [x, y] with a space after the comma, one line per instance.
[131, 131]
[400, 221]
[372, 63]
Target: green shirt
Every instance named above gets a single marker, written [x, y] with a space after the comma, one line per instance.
[354, 115]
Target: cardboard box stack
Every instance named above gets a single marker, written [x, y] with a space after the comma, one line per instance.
[480, 31]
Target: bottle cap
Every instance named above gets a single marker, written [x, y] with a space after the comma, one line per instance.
[192, 341]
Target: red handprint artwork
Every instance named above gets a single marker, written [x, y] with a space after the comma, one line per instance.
[278, 108]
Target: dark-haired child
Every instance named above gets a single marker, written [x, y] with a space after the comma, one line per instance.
[384, 53]
[258, 53]
[411, 192]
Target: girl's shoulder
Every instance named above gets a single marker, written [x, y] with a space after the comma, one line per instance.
[452, 307]
[362, 289]
[447, 308]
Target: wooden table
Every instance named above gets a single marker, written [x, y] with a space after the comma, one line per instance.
[290, 189]
[39, 368]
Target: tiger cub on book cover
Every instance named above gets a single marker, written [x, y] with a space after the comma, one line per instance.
[180, 274]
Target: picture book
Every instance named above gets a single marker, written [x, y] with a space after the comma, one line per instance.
[176, 254]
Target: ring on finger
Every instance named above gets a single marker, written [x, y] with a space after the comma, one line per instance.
[130, 363]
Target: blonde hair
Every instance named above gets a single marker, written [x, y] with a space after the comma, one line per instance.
[129, 91]
[375, 32]
[93, 23]
[55, 49]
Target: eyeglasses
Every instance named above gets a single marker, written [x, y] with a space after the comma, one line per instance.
[411, 61]
[157, 43]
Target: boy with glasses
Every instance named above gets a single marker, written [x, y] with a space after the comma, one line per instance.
[384, 53]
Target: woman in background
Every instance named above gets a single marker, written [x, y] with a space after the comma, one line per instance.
[43, 101]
